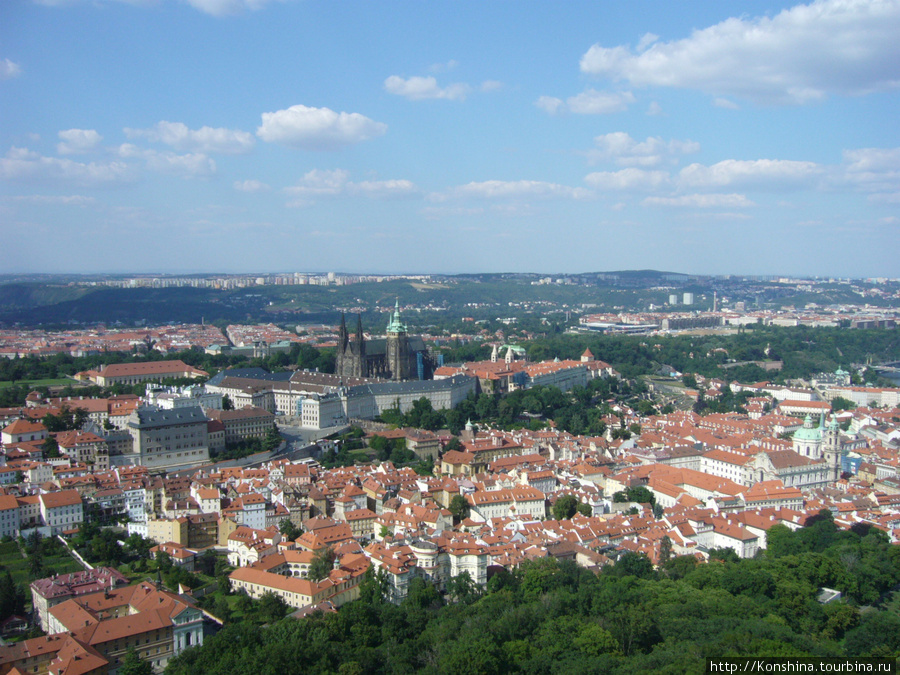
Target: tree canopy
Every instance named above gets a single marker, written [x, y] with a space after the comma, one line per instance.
[555, 617]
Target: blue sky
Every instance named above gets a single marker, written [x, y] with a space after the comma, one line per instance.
[299, 135]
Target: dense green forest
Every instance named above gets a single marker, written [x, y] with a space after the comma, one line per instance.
[803, 351]
[554, 617]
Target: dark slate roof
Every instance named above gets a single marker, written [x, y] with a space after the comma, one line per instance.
[250, 374]
[308, 378]
[157, 417]
[378, 346]
[411, 387]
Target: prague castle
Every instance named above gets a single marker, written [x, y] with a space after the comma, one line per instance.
[398, 356]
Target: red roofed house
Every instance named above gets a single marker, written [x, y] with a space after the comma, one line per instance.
[23, 430]
[247, 545]
[60, 653]
[340, 586]
[61, 510]
[48, 592]
[136, 373]
[85, 447]
[157, 623]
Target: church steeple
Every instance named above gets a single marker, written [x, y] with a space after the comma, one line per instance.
[343, 337]
[360, 367]
[395, 325]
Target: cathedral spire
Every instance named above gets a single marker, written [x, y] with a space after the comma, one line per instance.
[394, 325]
[359, 330]
[343, 337]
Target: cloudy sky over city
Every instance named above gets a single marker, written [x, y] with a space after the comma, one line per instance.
[307, 135]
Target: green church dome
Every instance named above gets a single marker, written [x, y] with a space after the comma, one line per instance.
[807, 432]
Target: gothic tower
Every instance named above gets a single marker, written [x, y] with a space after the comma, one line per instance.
[343, 360]
[397, 347]
[350, 359]
[360, 345]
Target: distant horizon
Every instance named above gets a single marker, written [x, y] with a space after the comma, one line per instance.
[557, 274]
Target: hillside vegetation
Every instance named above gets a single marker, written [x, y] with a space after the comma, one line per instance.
[551, 617]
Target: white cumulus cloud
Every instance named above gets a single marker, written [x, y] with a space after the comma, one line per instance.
[420, 88]
[317, 128]
[551, 104]
[444, 67]
[622, 149]
[190, 165]
[728, 104]
[65, 200]
[874, 170]
[592, 102]
[226, 7]
[588, 102]
[772, 174]
[320, 182]
[627, 180]
[493, 189]
[78, 141]
[9, 69]
[701, 201]
[384, 188]
[250, 186]
[205, 139]
[331, 182]
[218, 8]
[801, 54]
[873, 159]
[21, 164]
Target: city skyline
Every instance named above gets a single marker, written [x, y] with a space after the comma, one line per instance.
[225, 135]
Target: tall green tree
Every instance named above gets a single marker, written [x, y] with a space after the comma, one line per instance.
[322, 564]
[133, 664]
[565, 507]
[459, 508]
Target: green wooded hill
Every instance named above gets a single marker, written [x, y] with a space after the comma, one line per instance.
[550, 617]
[32, 304]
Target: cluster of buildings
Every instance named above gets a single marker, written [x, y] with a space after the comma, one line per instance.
[514, 371]
[250, 281]
[716, 481]
[94, 618]
[93, 341]
[167, 429]
[639, 323]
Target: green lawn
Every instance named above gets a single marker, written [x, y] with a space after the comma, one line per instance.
[9, 553]
[37, 383]
[11, 559]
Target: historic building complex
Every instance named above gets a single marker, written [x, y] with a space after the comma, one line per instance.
[398, 356]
